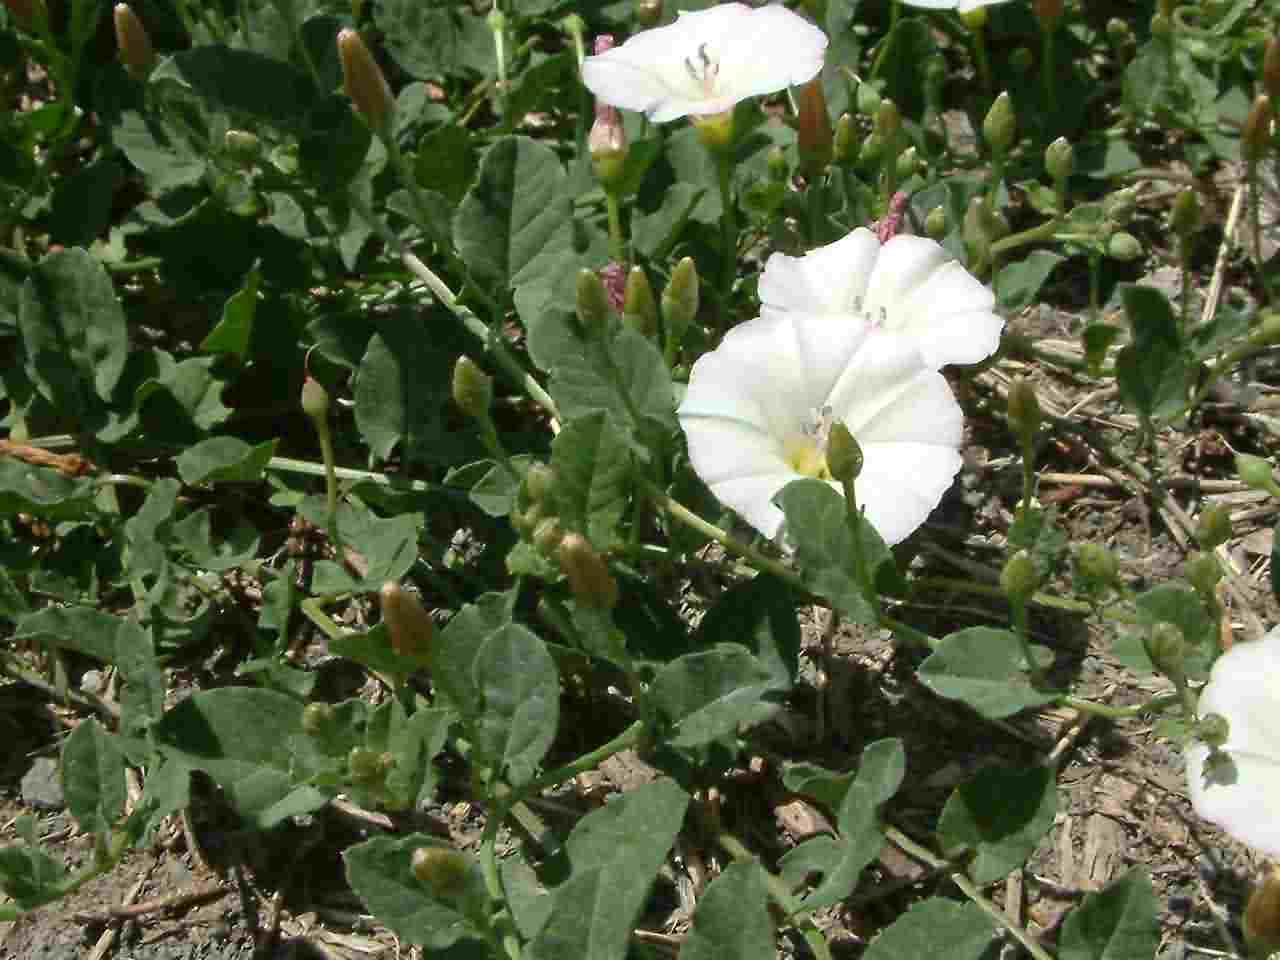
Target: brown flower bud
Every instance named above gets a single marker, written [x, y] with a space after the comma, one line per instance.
[133, 42]
[408, 624]
[1256, 135]
[1048, 12]
[592, 584]
[364, 82]
[814, 137]
[1271, 68]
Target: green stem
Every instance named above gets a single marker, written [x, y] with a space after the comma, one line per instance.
[1044, 231]
[313, 610]
[979, 35]
[1049, 68]
[1255, 228]
[493, 881]
[781, 895]
[617, 242]
[1018, 609]
[588, 761]
[1154, 705]
[312, 469]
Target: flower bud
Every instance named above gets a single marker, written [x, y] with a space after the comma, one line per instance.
[680, 300]
[1214, 729]
[1060, 159]
[814, 136]
[872, 149]
[908, 163]
[975, 232]
[1048, 12]
[1123, 246]
[315, 399]
[1271, 68]
[242, 145]
[1119, 206]
[1000, 125]
[888, 120]
[1203, 571]
[974, 19]
[1184, 217]
[1019, 578]
[607, 143]
[649, 13]
[715, 130]
[1262, 916]
[526, 521]
[547, 536]
[1257, 473]
[844, 146]
[133, 42]
[472, 389]
[1166, 648]
[317, 718]
[867, 100]
[1255, 138]
[935, 224]
[1024, 408]
[408, 624]
[639, 309]
[539, 482]
[362, 764]
[443, 870]
[1161, 27]
[364, 82]
[1097, 565]
[590, 581]
[592, 304]
[844, 455]
[1213, 527]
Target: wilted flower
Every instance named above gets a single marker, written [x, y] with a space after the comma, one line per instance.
[960, 6]
[908, 285]
[1236, 785]
[707, 61]
[761, 405]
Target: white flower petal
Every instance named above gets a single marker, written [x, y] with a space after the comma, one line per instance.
[830, 279]
[949, 313]
[884, 368]
[901, 483]
[1241, 800]
[753, 497]
[1239, 793]
[706, 61]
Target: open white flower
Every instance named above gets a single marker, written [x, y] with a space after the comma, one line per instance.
[759, 408]
[707, 61]
[909, 285]
[1239, 788]
[960, 6]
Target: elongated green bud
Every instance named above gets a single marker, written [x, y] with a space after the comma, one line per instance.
[776, 162]
[1271, 69]
[589, 578]
[975, 19]
[592, 304]
[976, 233]
[1184, 217]
[1268, 328]
[133, 42]
[1213, 527]
[1257, 473]
[315, 399]
[844, 147]
[1167, 648]
[409, 626]
[364, 82]
[872, 149]
[1203, 571]
[844, 454]
[1019, 579]
[935, 224]
[1097, 566]
[472, 389]
[363, 764]
[888, 120]
[1000, 125]
[639, 309]
[607, 144]
[1060, 159]
[908, 163]
[680, 300]
[539, 481]
[1024, 409]
[867, 100]
[443, 870]
[242, 145]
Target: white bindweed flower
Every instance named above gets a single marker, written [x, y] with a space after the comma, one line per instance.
[909, 285]
[960, 6]
[707, 61]
[1237, 787]
[759, 408]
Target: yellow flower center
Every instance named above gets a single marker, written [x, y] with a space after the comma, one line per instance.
[806, 457]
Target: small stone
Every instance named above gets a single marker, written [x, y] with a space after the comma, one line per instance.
[41, 787]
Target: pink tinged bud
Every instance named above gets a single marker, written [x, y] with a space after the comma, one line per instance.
[363, 80]
[614, 277]
[603, 43]
[887, 227]
[133, 42]
[607, 143]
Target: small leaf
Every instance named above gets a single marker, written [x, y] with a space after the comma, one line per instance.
[761, 613]
[1120, 922]
[519, 688]
[963, 927]
[446, 161]
[1018, 284]
[592, 467]
[633, 386]
[615, 852]
[732, 921]
[1001, 815]
[235, 329]
[1152, 371]
[710, 693]
[984, 668]
[93, 777]
[82, 629]
[1097, 338]
[860, 842]
[431, 41]
[224, 460]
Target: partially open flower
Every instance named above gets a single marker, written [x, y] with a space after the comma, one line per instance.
[760, 407]
[707, 61]
[909, 285]
[1236, 786]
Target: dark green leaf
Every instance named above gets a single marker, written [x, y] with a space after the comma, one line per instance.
[519, 689]
[44, 491]
[583, 383]
[224, 460]
[592, 471]
[164, 153]
[1018, 284]
[28, 874]
[963, 927]
[732, 921]
[841, 864]
[243, 82]
[1152, 371]
[82, 629]
[82, 202]
[710, 693]
[335, 145]
[93, 777]
[984, 668]
[1120, 922]
[1001, 815]
[235, 329]
[373, 650]
[431, 41]
[446, 161]
[761, 613]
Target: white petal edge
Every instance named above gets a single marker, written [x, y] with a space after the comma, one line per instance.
[828, 279]
[767, 50]
[901, 483]
[1246, 808]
